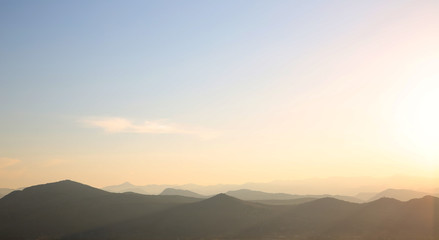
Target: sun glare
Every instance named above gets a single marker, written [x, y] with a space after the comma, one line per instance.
[419, 118]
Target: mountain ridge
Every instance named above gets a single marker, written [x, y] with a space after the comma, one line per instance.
[181, 192]
[71, 210]
[400, 194]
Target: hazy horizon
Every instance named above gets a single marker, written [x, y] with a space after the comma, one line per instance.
[217, 92]
[348, 186]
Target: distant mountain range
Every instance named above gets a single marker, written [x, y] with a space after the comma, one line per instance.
[126, 187]
[258, 196]
[400, 194]
[365, 196]
[71, 210]
[249, 194]
[343, 186]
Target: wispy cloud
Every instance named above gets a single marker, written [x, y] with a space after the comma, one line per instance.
[123, 125]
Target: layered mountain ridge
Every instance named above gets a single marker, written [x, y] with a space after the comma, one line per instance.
[70, 210]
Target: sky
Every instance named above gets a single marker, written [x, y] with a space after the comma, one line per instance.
[208, 92]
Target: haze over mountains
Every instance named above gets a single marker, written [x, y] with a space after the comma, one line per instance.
[179, 192]
[251, 195]
[70, 210]
[346, 186]
[398, 187]
[400, 194]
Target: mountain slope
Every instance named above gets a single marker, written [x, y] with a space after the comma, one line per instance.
[56, 209]
[399, 194]
[128, 187]
[251, 195]
[181, 192]
[246, 194]
[125, 187]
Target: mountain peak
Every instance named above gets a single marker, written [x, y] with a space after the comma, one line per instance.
[222, 196]
[399, 194]
[64, 188]
[384, 201]
[63, 183]
[222, 199]
[244, 190]
[127, 184]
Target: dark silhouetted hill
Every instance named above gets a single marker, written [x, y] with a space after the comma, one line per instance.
[57, 209]
[180, 192]
[217, 217]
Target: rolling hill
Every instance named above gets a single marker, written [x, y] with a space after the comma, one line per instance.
[220, 216]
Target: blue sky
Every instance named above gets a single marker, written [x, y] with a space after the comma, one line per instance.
[87, 81]
[78, 54]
